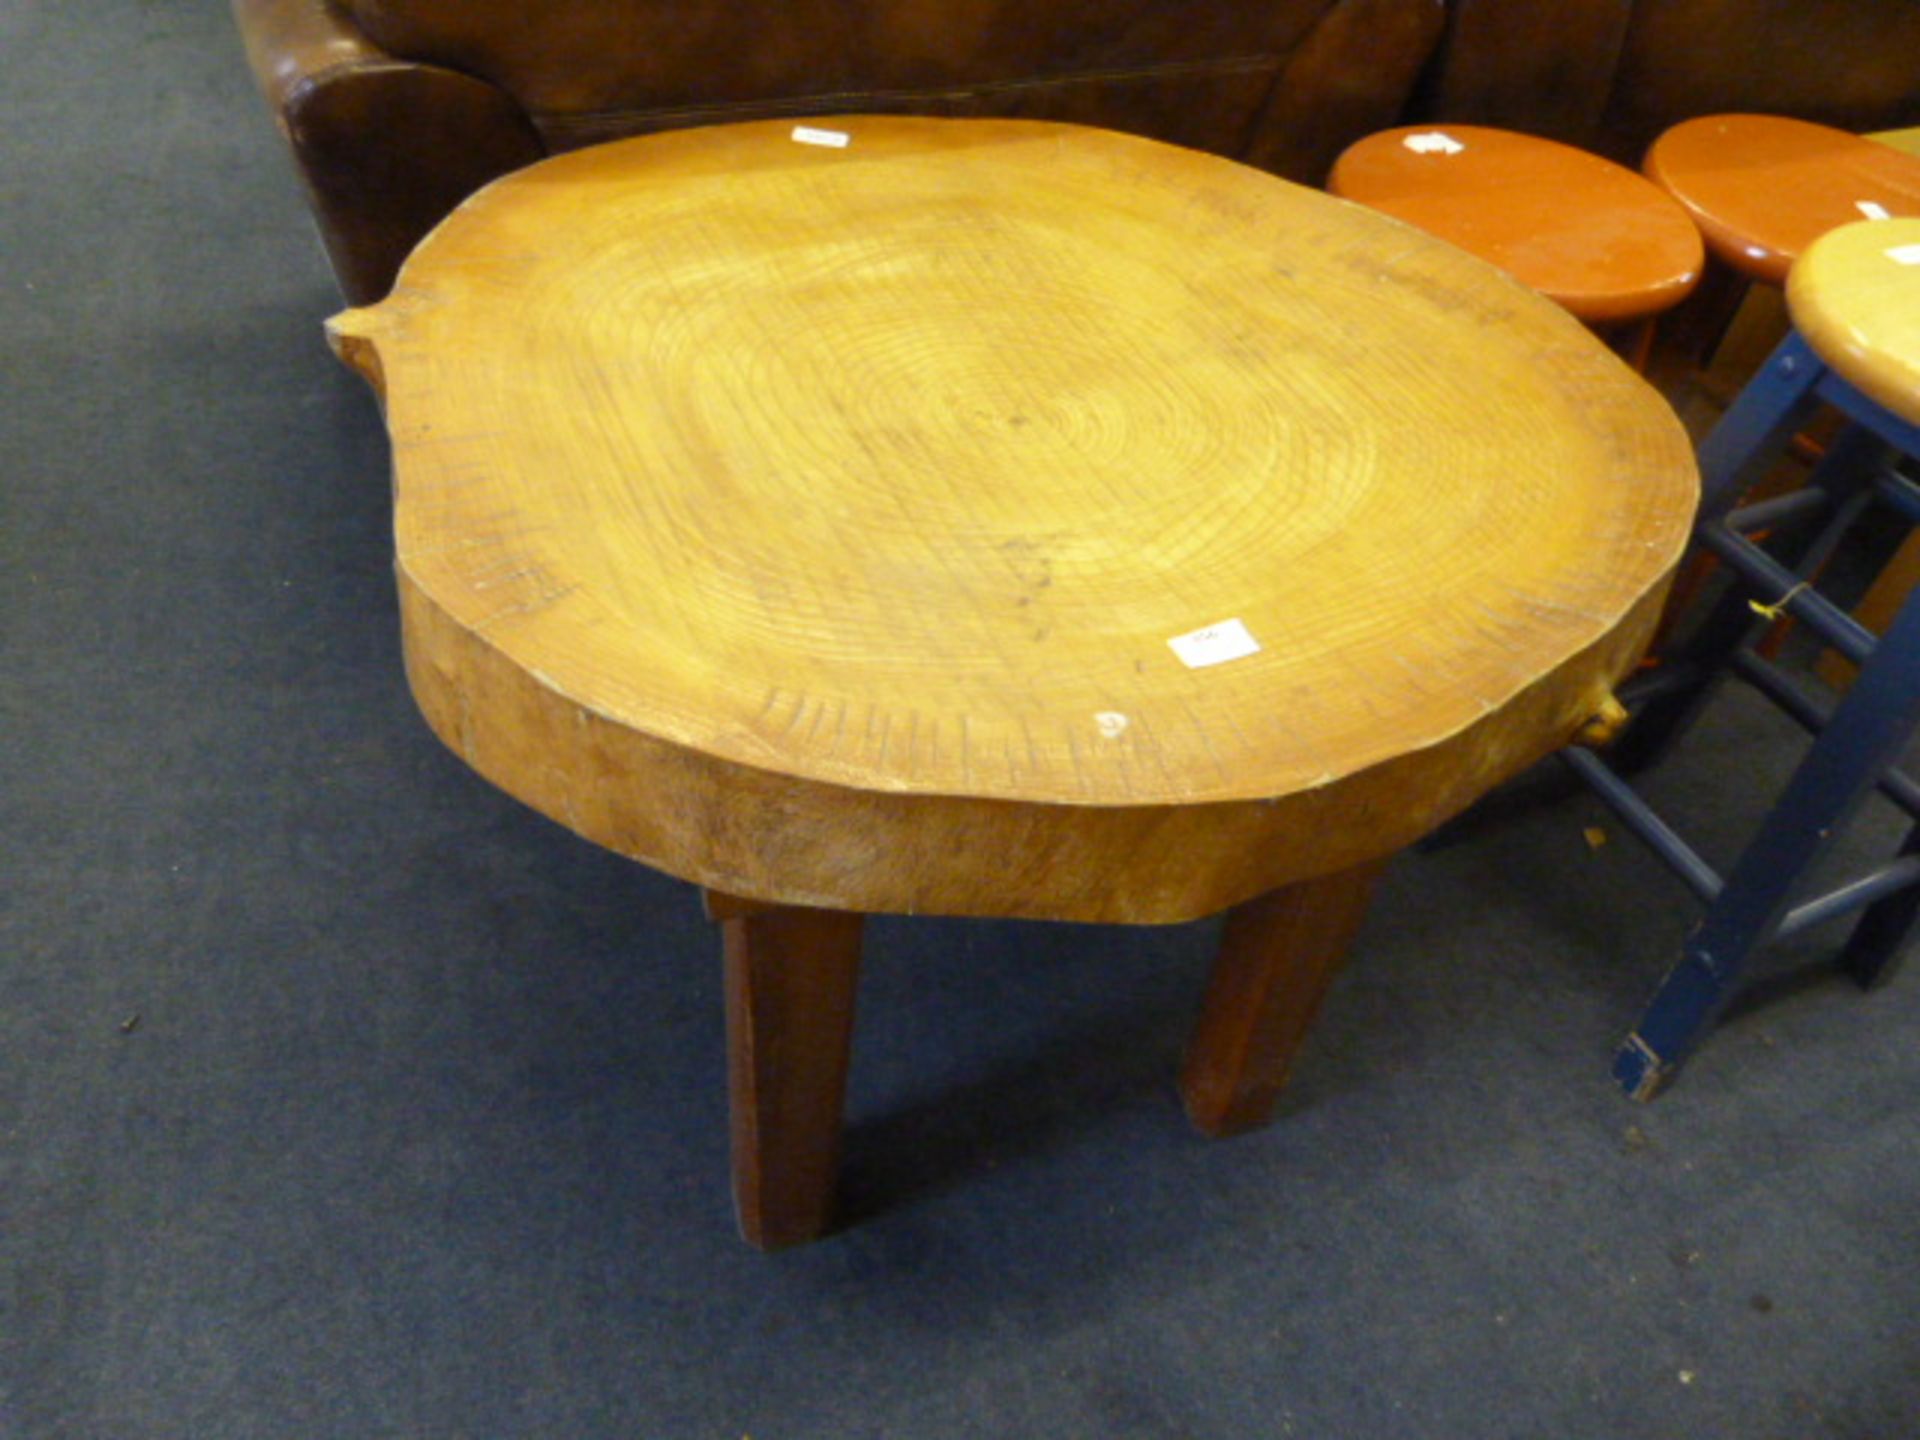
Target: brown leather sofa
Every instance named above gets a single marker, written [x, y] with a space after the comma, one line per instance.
[1612, 74]
[396, 110]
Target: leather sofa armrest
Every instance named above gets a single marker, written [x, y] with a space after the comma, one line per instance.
[385, 147]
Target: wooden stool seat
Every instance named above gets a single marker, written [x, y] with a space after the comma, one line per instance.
[1907, 140]
[1602, 241]
[1855, 296]
[1901, 574]
[1763, 187]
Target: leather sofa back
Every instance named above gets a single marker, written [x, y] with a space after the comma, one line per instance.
[396, 110]
[1851, 63]
[1612, 74]
[1197, 72]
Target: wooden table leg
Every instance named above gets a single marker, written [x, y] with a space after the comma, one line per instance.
[1278, 955]
[790, 980]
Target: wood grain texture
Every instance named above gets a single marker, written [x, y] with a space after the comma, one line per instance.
[1278, 955]
[1855, 297]
[811, 523]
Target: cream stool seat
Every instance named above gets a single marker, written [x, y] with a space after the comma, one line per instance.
[1855, 297]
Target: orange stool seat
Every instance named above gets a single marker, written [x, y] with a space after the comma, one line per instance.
[1763, 187]
[1605, 243]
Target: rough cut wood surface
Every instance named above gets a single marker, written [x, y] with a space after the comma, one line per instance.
[812, 522]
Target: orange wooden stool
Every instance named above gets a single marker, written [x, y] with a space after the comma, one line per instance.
[1763, 187]
[1602, 241]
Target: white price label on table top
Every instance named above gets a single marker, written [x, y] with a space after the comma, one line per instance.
[1215, 644]
[832, 139]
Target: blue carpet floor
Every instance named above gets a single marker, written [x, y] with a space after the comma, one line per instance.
[342, 1096]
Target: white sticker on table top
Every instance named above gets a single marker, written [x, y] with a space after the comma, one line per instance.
[1433, 142]
[832, 139]
[1873, 209]
[1905, 254]
[1215, 644]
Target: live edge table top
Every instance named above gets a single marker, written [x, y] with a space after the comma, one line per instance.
[812, 521]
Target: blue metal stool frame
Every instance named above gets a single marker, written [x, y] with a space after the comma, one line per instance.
[1856, 743]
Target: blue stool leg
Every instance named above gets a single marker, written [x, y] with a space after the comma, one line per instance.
[1661, 720]
[1733, 457]
[1758, 424]
[1865, 736]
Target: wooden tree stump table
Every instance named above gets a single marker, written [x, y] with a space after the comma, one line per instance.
[998, 518]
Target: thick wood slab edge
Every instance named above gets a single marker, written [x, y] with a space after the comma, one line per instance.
[775, 838]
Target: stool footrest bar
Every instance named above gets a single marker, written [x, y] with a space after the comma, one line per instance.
[1765, 514]
[1854, 895]
[1899, 493]
[1814, 610]
[1644, 822]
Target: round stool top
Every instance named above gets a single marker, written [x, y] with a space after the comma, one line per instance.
[1581, 230]
[1763, 187]
[1907, 141]
[995, 517]
[1855, 296]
